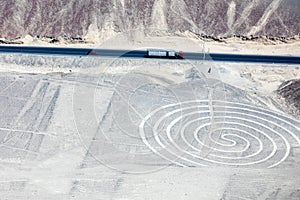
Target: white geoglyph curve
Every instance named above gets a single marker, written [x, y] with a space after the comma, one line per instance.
[225, 163]
[243, 116]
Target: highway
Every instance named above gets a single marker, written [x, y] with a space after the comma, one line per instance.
[141, 53]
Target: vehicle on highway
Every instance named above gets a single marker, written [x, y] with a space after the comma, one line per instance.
[163, 53]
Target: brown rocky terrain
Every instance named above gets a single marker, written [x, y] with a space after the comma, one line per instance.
[290, 91]
[75, 19]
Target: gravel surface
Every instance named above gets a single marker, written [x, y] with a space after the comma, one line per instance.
[153, 130]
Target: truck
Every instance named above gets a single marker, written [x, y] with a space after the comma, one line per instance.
[163, 53]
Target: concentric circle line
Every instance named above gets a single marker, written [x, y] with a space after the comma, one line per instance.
[168, 130]
[232, 164]
[142, 133]
[162, 156]
[141, 128]
[226, 106]
[247, 146]
[245, 108]
[235, 135]
[203, 158]
[284, 139]
[228, 112]
[292, 134]
[223, 136]
[234, 143]
[162, 119]
[247, 105]
[261, 145]
[173, 112]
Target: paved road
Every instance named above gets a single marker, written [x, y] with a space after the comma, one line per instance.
[141, 53]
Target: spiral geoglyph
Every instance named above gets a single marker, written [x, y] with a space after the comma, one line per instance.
[238, 134]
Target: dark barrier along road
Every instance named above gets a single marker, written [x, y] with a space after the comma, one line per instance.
[141, 54]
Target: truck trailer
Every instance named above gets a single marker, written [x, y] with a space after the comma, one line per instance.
[162, 53]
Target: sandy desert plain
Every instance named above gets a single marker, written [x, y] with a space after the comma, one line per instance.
[114, 128]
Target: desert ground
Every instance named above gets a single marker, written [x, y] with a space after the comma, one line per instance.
[113, 128]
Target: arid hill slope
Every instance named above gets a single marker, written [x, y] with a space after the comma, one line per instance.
[77, 18]
[290, 91]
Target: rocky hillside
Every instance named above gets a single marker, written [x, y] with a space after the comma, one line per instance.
[290, 91]
[80, 18]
